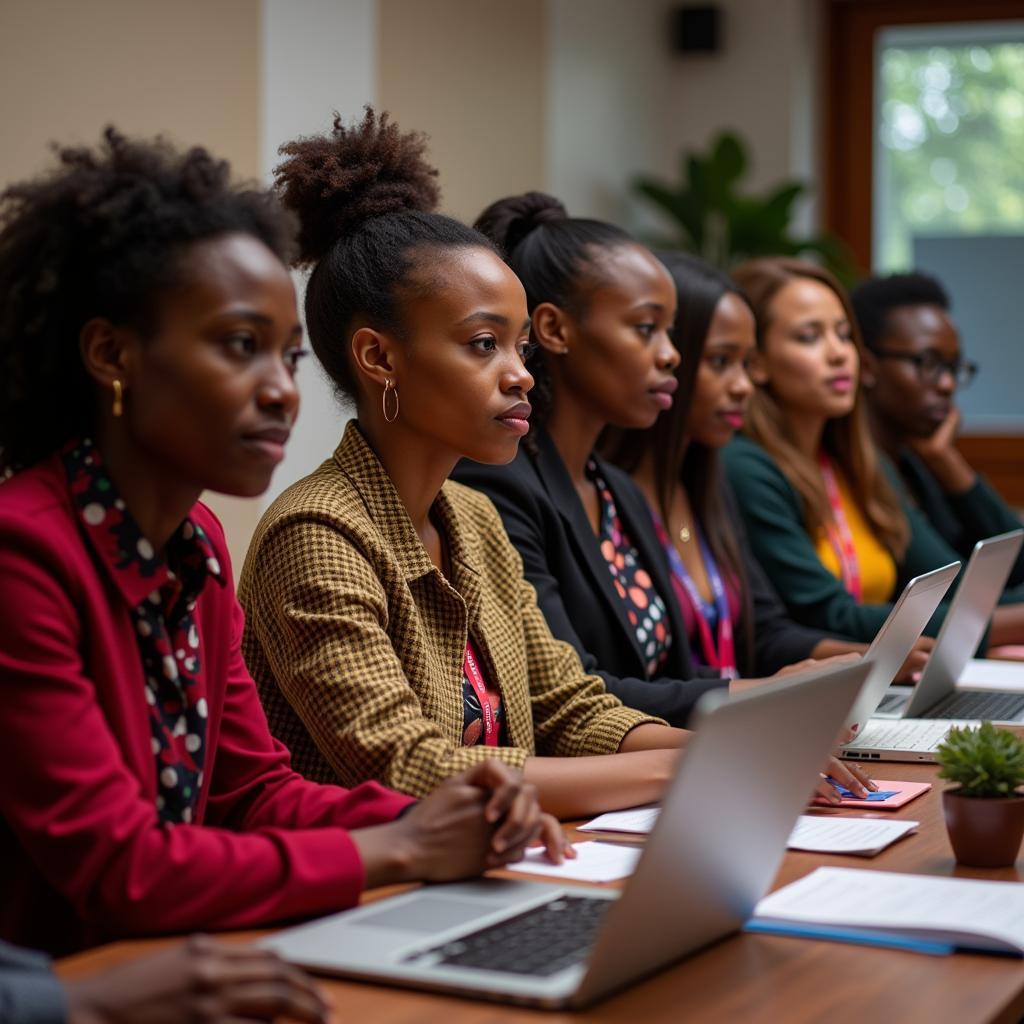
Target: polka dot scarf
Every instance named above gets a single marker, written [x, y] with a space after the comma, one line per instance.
[645, 608]
[161, 592]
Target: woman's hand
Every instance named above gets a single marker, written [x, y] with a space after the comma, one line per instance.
[480, 819]
[853, 777]
[940, 454]
[912, 668]
[201, 981]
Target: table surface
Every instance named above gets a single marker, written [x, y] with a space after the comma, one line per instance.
[747, 977]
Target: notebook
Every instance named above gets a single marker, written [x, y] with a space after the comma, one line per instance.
[718, 842]
[962, 913]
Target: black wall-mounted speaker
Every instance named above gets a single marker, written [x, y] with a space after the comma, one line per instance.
[696, 28]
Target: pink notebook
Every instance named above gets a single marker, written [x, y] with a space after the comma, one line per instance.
[902, 793]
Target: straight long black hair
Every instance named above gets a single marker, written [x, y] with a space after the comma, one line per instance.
[677, 459]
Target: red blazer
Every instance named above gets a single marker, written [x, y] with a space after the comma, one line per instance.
[85, 858]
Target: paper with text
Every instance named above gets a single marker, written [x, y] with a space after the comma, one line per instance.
[964, 911]
[861, 836]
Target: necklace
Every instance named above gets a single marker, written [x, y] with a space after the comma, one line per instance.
[684, 534]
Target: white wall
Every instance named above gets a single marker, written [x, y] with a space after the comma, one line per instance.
[318, 56]
[620, 102]
[763, 85]
[606, 94]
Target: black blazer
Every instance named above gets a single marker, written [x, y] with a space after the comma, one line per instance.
[548, 524]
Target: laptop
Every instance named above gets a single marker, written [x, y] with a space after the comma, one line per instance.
[722, 831]
[910, 722]
[896, 639]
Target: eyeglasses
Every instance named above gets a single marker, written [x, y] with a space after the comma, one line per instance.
[930, 366]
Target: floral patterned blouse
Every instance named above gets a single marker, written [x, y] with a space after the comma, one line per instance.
[645, 608]
[161, 590]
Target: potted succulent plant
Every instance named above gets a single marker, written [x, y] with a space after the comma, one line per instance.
[984, 812]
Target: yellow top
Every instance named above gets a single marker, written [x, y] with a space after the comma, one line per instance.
[876, 564]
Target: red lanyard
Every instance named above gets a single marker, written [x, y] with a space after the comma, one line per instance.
[723, 654]
[476, 680]
[839, 534]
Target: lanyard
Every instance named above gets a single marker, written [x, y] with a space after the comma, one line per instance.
[720, 655]
[839, 534]
[476, 680]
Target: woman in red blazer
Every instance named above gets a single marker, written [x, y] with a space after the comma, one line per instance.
[148, 344]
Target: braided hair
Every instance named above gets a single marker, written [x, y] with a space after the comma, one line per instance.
[366, 200]
[101, 235]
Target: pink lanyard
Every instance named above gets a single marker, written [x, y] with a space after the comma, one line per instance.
[839, 534]
[472, 670]
[723, 654]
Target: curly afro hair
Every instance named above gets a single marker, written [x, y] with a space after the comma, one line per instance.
[102, 235]
[366, 199]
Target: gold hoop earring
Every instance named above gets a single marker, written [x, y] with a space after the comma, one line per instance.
[389, 387]
[118, 407]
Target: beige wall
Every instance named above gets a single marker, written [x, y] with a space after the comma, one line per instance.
[188, 69]
[472, 75]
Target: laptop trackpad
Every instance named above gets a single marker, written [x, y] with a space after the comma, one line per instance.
[426, 914]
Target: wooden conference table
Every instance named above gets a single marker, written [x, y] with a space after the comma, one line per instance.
[747, 977]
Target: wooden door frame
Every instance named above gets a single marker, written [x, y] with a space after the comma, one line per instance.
[849, 39]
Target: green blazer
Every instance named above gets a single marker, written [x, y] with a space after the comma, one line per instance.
[771, 511]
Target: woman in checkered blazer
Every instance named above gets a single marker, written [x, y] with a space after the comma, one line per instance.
[389, 626]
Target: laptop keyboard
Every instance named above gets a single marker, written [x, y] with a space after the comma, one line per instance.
[913, 734]
[993, 706]
[538, 942]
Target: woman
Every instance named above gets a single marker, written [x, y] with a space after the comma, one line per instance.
[822, 516]
[731, 614]
[913, 366]
[601, 307]
[389, 626]
[148, 343]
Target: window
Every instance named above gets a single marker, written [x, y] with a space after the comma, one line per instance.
[949, 135]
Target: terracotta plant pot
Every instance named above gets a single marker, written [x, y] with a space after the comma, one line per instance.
[984, 833]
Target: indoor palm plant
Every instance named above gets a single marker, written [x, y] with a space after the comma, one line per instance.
[712, 217]
[984, 812]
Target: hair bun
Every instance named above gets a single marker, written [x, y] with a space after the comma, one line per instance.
[508, 221]
[337, 181]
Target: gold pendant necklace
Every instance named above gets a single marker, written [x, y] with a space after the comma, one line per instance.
[684, 534]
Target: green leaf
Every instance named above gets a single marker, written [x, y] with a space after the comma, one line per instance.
[728, 158]
[985, 762]
[719, 222]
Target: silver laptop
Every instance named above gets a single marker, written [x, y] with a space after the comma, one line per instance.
[896, 639]
[713, 853]
[913, 721]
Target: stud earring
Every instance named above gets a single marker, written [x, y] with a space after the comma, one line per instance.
[389, 387]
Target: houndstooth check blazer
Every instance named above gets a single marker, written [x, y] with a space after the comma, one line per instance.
[356, 640]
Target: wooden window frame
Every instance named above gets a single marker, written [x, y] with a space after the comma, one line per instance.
[848, 179]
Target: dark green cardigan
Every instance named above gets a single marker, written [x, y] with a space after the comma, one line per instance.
[960, 519]
[771, 511]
